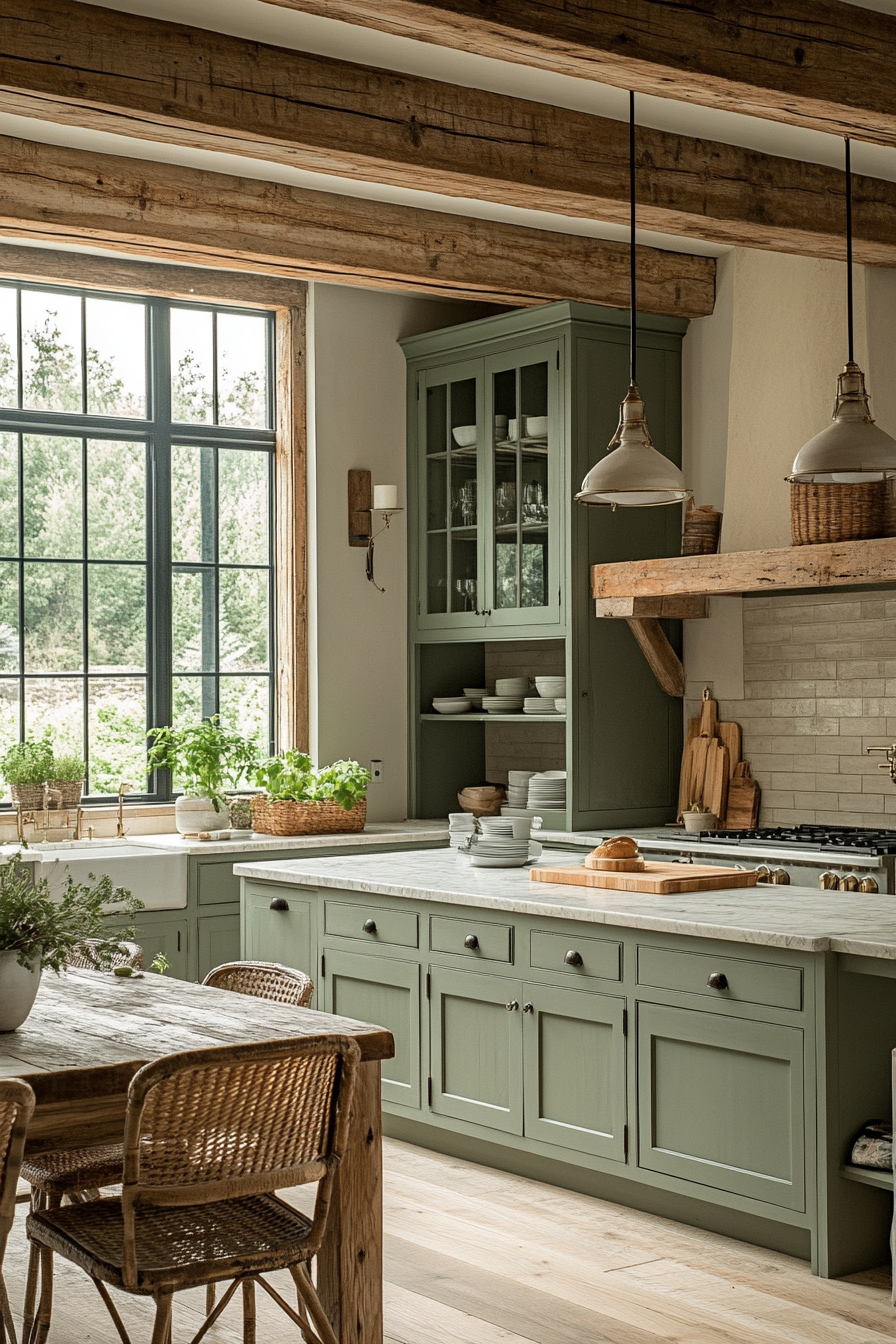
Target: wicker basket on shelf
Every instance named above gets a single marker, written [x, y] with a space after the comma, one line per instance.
[290, 818]
[839, 511]
[70, 790]
[30, 797]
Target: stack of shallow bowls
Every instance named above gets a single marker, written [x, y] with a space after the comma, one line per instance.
[461, 825]
[538, 704]
[518, 787]
[560, 704]
[499, 851]
[518, 687]
[476, 694]
[502, 704]
[547, 790]
[551, 687]
[451, 704]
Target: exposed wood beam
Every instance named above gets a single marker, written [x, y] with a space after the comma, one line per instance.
[660, 608]
[181, 214]
[816, 63]
[82, 65]
[664, 662]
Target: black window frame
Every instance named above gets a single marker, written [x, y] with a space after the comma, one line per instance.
[159, 432]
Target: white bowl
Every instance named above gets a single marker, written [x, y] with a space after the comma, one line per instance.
[520, 777]
[464, 436]
[551, 686]
[512, 686]
[536, 425]
[475, 692]
[452, 706]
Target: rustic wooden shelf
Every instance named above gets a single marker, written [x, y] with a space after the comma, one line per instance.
[830, 565]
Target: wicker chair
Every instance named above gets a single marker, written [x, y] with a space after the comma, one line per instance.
[16, 1107]
[209, 1136]
[263, 980]
[73, 1173]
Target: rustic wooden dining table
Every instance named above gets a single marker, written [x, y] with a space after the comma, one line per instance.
[89, 1033]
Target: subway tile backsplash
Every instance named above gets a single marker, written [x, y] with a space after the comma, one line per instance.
[819, 687]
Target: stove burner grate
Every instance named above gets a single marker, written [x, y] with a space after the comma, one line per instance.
[856, 839]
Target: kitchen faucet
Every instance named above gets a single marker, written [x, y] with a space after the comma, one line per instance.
[123, 788]
[891, 759]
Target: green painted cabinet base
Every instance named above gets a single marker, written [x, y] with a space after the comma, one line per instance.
[385, 991]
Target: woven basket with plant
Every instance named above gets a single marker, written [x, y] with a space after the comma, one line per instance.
[27, 766]
[67, 776]
[302, 800]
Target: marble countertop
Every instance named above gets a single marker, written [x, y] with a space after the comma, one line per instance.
[803, 919]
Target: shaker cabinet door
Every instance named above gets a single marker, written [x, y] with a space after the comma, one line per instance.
[277, 927]
[387, 992]
[574, 1069]
[476, 1048]
[720, 1102]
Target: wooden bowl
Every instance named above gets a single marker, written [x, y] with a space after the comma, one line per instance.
[482, 807]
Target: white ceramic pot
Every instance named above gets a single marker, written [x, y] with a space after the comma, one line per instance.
[699, 821]
[192, 815]
[18, 990]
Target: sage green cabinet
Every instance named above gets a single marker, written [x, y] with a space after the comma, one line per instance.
[720, 1102]
[385, 991]
[476, 1057]
[505, 417]
[219, 940]
[162, 932]
[277, 926]
[574, 1070]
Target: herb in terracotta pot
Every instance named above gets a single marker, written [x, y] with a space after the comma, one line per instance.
[204, 759]
[38, 933]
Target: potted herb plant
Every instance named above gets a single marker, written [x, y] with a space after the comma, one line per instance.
[204, 759]
[300, 799]
[38, 933]
[67, 777]
[27, 766]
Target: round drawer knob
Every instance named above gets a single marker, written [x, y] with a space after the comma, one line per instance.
[573, 958]
[718, 980]
[278, 903]
[512, 1006]
[471, 942]
[369, 926]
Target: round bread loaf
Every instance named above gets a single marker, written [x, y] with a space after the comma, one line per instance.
[617, 847]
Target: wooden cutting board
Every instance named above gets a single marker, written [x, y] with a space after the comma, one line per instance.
[697, 761]
[744, 795]
[715, 780]
[658, 879]
[730, 735]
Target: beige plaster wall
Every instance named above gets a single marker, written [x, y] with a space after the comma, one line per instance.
[358, 637]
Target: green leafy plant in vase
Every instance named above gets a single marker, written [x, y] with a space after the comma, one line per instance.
[27, 767]
[301, 799]
[38, 932]
[204, 759]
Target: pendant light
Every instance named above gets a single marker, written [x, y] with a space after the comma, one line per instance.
[852, 448]
[632, 474]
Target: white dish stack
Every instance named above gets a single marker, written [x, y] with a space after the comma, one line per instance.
[461, 826]
[547, 791]
[538, 704]
[551, 688]
[518, 787]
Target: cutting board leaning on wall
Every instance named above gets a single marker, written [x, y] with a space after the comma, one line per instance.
[713, 775]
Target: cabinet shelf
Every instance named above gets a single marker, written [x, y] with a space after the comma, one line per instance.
[474, 716]
[868, 1176]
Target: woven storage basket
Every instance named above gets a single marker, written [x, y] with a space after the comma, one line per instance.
[288, 818]
[30, 796]
[702, 529]
[837, 511]
[70, 790]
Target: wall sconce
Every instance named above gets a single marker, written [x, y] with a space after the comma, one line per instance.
[360, 514]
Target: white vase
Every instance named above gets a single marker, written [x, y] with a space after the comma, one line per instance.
[18, 990]
[192, 815]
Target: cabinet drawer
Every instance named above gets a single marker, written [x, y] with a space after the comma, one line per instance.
[744, 981]
[475, 938]
[600, 957]
[371, 923]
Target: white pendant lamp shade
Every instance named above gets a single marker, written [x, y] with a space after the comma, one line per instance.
[852, 448]
[633, 474]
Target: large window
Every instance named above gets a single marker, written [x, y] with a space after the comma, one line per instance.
[136, 472]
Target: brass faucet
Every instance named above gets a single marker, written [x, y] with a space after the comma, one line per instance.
[891, 759]
[123, 788]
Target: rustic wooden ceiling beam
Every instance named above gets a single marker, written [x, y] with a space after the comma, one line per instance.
[106, 70]
[181, 214]
[815, 63]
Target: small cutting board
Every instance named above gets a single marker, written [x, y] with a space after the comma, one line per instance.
[657, 879]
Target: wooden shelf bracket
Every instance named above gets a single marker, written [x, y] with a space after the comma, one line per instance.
[643, 616]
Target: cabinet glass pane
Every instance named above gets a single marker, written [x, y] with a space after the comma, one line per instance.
[521, 486]
[452, 577]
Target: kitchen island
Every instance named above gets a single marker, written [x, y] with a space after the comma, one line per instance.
[709, 1057]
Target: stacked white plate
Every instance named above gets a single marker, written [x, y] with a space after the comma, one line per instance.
[538, 704]
[560, 704]
[451, 704]
[551, 687]
[476, 694]
[502, 704]
[512, 686]
[499, 851]
[518, 787]
[548, 790]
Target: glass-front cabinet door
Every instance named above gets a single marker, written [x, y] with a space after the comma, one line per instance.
[522, 483]
[450, 422]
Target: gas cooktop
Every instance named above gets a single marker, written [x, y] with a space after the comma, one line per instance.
[855, 839]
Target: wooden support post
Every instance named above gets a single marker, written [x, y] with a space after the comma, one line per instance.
[664, 661]
[685, 608]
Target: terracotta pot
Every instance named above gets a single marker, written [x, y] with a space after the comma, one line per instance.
[18, 990]
[192, 815]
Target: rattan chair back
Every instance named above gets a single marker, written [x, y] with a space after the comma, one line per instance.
[263, 980]
[234, 1121]
[86, 956]
[16, 1107]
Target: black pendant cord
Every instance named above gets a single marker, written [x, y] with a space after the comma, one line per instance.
[633, 277]
[849, 320]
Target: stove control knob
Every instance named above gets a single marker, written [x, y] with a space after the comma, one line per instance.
[829, 881]
[848, 883]
[868, 884]
[763, 873]
[780, 877]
